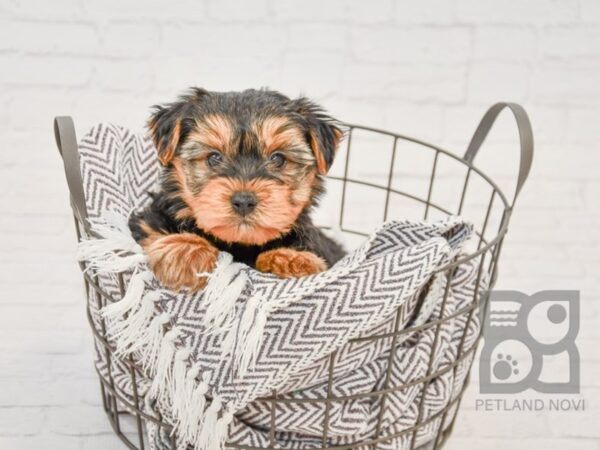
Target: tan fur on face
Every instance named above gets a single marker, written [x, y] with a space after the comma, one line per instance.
[277, 209]
[214, 131]
[279, 205]
[280, 202]
[287, 262]
[184, 190]
[278, 133]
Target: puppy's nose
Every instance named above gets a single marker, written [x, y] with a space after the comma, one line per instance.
[244, 202]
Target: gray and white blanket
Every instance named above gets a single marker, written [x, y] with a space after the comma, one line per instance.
[210, 357]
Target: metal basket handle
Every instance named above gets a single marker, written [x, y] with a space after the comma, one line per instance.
[525, 138]
[66, 141]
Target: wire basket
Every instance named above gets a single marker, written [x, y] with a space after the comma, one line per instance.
[436, 184]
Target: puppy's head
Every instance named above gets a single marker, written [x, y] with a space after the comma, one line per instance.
[245, 164]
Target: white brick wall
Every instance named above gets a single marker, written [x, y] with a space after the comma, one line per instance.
[424, 68]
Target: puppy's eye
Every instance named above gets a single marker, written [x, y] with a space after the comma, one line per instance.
[214, 159]
[277, 159]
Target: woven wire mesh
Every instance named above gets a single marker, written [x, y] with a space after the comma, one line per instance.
[374, 179]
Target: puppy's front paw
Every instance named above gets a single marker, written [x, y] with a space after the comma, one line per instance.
[287, 263]
[176, 260]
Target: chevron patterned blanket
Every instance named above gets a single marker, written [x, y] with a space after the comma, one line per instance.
[209, 358]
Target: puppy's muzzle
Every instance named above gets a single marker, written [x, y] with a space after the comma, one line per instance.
[244, 202]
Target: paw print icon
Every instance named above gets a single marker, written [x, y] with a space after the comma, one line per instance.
[529, 342]
[505, 367]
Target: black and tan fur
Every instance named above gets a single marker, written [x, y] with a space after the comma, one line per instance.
[272, 151]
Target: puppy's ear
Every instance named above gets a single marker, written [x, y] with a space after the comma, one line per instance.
[324, 136]
[168, 125]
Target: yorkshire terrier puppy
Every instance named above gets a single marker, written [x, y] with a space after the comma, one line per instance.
[242, 171]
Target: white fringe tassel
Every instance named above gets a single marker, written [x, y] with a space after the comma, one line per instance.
[221, 431]
[129, 332]
[179, 384]
[239, 332]
[214, 430]
[224, 287]
[250, 347]
[248, 333]
[163, 374]
[191, 419]
[150, 341]
[132, 296]
[115, 250]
